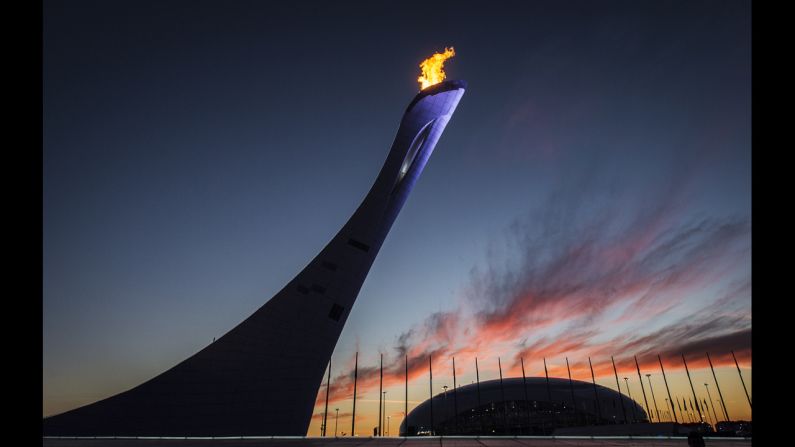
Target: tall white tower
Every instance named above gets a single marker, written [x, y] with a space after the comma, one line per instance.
[262, 377]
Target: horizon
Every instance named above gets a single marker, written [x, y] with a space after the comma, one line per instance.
[591, 196]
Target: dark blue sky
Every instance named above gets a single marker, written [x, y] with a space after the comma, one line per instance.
[198, 154]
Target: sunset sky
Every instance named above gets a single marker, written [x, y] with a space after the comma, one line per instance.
[591, 195]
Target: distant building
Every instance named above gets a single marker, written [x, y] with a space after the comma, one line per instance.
[734, 428]
[517, 415]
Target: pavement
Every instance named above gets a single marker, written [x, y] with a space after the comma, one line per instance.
[399, 442]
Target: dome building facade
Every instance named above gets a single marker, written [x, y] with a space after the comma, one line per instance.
[520, 407]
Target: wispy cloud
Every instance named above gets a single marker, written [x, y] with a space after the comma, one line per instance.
[594, 276]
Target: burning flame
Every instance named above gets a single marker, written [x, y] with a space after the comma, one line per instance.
[433, 68]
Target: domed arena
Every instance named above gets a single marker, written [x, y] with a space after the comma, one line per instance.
[518, 406]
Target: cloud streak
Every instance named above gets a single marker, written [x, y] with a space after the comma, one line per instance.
[585, 277]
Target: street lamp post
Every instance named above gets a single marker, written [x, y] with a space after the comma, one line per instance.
[648, 376]
[713, 405]
[380, 430]
[384, 413]
[618, 386]
[668, 390]
[741, 380]
[706, 410]
[640, 379]
[336, 420]
[632, 402]
[720, 395]
[445, 401]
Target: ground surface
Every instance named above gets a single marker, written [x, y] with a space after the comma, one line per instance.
[392, 442]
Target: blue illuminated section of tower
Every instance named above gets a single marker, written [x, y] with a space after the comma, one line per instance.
[262, 377]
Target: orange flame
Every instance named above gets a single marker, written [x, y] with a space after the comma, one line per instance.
[433, 68]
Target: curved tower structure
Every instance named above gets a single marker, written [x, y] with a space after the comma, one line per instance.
[262, 377]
